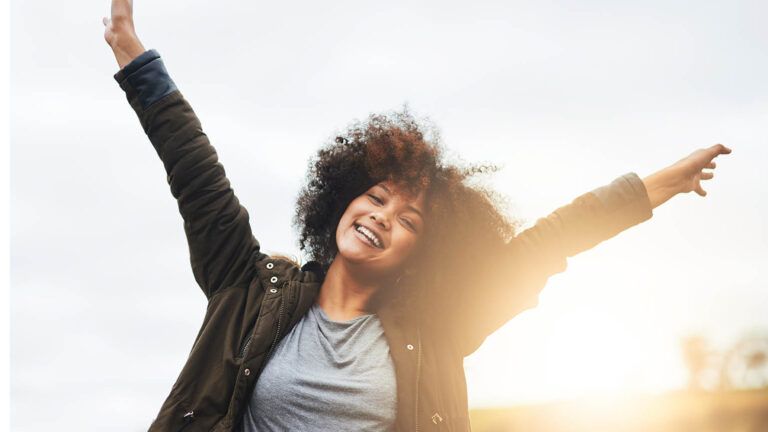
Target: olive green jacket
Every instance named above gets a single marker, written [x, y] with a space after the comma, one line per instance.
[254, 299]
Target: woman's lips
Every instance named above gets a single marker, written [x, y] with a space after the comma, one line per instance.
[363, 238]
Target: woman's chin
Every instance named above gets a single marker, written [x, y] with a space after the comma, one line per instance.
[356, 254]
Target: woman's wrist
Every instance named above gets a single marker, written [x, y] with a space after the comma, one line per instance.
[661, 186]
[126, 47]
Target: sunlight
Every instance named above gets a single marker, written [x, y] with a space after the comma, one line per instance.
[584, 339]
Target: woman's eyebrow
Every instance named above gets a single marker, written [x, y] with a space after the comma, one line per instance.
[409, 206]
[384, 187]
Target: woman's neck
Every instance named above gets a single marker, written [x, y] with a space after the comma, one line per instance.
[345, 293]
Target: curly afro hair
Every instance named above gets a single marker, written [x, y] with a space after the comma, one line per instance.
[462, 223]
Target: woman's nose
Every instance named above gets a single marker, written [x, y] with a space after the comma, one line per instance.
[381, 220]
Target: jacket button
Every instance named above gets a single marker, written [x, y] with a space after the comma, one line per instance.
[273, 279]
[410, 347]
[272, 290]
[270, 265]
[247, 372]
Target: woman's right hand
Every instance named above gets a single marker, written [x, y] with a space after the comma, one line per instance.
[120, 32]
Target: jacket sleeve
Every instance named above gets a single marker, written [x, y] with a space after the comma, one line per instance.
[218, 232]
[510, 281]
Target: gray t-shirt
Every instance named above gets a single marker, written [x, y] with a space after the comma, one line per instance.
[326, 375]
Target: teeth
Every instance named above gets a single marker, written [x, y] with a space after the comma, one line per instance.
[370, 235]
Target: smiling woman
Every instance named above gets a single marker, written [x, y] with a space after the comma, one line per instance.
[382, 204]
[411, 269]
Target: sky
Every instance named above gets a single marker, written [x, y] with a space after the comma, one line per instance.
[565, 97]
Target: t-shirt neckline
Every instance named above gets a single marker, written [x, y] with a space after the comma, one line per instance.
[350, 321]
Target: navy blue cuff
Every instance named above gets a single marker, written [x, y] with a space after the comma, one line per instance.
[147, 77]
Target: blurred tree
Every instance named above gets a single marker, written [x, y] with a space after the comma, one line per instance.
[695, 356]
[746, 364]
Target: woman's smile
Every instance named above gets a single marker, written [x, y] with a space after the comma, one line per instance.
[368, 236]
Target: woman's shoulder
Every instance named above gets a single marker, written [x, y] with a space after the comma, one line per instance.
[277, 266]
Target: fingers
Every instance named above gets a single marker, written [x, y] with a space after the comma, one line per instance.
[704, 176]
[699, 190]
[713, 151]
[719, 149]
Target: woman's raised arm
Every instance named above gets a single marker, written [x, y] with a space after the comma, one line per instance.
[217, 227]
[511, 280]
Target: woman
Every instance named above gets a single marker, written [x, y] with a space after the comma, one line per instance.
[411, 269]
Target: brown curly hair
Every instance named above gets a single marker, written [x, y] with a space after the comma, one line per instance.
[463, 221]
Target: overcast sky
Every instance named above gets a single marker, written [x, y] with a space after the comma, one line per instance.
[567, 96]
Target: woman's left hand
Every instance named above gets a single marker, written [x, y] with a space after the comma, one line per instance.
[684, 175]
[689, 170]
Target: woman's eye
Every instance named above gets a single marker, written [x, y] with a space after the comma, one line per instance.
[375, 198]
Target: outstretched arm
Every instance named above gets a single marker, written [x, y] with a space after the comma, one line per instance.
[511, 281]
[217, 227]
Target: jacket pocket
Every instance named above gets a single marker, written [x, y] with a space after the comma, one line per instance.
[246, 342]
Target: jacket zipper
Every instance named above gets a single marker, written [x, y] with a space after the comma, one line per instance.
[250, 337]
[274, 340]
[277, 333]
[418, 371]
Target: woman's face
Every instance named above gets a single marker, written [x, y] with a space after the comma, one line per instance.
[380, 229]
